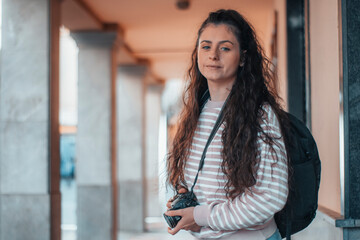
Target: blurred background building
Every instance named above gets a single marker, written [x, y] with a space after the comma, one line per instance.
[90, 92]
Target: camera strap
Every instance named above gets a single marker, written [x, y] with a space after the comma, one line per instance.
[218, 123]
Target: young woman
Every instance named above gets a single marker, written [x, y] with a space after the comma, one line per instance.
[244, 180]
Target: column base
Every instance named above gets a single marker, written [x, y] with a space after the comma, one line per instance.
[25, 216]
[94, 212]
[131, 211]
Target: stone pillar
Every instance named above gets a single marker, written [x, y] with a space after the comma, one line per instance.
[27, 89]
[153, 113]
[93, 154]
[351, 92]
[130, 139]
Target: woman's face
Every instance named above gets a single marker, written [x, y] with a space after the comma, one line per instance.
[218, 54]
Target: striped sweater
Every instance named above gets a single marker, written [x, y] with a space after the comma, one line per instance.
[250, 211]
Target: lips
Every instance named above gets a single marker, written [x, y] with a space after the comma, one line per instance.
[213, 66]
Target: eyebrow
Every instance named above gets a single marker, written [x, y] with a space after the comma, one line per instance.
[224, 41]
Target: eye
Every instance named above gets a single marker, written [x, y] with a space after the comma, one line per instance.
[205, 47]
[226, 49]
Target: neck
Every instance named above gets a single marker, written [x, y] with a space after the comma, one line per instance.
[218, 92]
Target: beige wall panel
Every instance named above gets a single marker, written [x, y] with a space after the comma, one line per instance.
[280, 7]
[324, 57]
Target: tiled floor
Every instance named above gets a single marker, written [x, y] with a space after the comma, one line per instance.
[322, 228]
[182, 235]
[158, 231]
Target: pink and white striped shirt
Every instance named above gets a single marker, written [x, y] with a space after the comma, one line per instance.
[250, 215]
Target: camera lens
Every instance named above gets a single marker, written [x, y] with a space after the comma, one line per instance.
[172, 220]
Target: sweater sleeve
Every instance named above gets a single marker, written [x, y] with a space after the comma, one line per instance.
[257, 205]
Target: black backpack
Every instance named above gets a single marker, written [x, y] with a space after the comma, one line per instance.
[304, 180]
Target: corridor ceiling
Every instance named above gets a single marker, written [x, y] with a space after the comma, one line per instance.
[155, 30]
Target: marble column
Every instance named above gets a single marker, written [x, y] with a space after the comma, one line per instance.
[93, 154]
[130, 147]
[25, 205]
[153, 113]
[351, 92]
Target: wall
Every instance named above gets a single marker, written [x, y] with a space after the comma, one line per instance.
[280, 7]
[325, 107]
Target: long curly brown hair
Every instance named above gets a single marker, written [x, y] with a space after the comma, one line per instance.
[251, 90]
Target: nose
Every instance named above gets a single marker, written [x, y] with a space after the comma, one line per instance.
[214, 54]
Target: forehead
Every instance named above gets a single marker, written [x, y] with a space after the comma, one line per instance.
[218, 32]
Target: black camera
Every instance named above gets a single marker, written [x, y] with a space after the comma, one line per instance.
[181, 200]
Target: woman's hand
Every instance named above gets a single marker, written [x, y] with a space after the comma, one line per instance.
[187, 221]
[181, 190]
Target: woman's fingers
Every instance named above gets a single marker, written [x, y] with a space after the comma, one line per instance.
[175, 230]
[174, 213]
[168, 204]
[182, 190]
[187, 221]
[179, 225]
